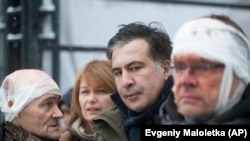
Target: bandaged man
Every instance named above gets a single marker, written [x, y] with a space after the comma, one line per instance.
[211, 69]
[29, 101]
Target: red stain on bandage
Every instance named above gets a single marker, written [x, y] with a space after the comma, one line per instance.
[194, 33]
[10, 103]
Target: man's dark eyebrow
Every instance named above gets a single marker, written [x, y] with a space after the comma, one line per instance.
[133, 63]
[128, 65]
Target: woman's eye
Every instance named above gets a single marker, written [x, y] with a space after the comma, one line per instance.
[83, 92]
[102, 91]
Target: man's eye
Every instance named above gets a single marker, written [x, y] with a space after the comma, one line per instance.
[180, 67]
[134, 68]
[203, 67]
[117, 73]
[48, 104]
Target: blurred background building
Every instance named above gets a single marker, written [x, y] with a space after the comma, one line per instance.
[60, 36]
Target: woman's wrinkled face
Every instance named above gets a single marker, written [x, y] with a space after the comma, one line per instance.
[93, 100]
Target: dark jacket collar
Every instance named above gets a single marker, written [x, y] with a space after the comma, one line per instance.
[241, 111]
[134, 120]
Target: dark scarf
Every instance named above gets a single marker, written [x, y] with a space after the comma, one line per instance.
[15, 133]
[1, 125]
[133, 119]
[240, 113]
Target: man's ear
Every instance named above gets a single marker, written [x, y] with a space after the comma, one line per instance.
[166, 69]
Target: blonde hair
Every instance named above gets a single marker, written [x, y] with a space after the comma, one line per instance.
[95, 72]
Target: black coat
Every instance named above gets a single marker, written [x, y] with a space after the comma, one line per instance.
[1, 125]
[134, 120]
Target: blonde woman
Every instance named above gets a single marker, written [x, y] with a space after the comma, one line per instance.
[91, 97]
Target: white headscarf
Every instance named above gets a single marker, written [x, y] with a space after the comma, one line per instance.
[19, 88]
[213, 40]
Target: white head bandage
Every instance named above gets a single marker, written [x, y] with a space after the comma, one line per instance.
[213, 40]
[21, 87]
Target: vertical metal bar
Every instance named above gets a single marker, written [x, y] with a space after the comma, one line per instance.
[2, 40]
[56, 53]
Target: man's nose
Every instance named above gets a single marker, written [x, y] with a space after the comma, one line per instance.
[127, 79]
[187, 76]
[57, 112]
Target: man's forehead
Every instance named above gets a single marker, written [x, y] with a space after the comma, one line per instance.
[49, 96]
[187, 57]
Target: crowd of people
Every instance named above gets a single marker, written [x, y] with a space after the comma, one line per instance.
[202, 76]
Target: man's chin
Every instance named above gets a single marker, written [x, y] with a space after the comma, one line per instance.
[51, 137]
[189, 111]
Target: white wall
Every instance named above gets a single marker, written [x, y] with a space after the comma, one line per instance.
[94, 22]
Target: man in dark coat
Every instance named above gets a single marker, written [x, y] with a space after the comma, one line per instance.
[140, 62]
